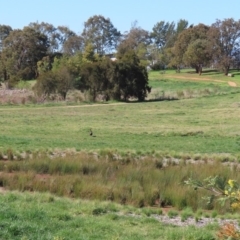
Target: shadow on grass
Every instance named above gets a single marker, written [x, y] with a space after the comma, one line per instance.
[160, 99]
[207, 72]
[236, 73]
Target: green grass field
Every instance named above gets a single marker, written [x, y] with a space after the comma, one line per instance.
[196, 125]
[184, 117]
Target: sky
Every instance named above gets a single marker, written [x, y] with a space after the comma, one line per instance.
[122, 13]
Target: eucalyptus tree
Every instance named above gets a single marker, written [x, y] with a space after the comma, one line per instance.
[197, 54]
[101, 33]
[190, 43]
[225, 42]
[51, 32]
[136, 39]
[61, 39]
[74, 44]
[164, 35]
[4, 32]
[22, 50]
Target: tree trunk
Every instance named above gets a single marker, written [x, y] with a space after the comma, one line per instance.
[200, 70]
[226, 70]
[64, 95]
[4, 75]
[197, 68]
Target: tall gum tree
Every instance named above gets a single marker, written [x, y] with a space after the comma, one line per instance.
[22, 50]
[136, 39]
[4, 32]
[184, 47]
[225, 42]
[101, 33]
[164, 35]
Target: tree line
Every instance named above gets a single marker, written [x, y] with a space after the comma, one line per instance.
[60, 59]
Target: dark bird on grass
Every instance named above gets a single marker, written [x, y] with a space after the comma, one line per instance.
[91, 133]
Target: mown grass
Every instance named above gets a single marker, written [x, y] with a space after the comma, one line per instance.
[188, 84]
[44, 216]
[198, 125]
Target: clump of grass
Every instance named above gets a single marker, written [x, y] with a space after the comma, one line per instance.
[10, 155]
[172, 213]
[197, 157]
[147, 211]
[186, 213]
[159, 163]
[214, 214]
[99, 211]
[206, 215]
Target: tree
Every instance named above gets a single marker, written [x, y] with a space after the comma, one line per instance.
[22, 50]
[73, 45]
[89, 55]
[55, 77]
[185, 45]
[65, 75]
[136, 39]
[197, 54]
[65, 82]
[4, 32]
[51, 33]
[46, 85]
[182, 24]
[61, 38]
[91, 74]
[101, 33]
[163, 33]
[225, 41]
[130, 77]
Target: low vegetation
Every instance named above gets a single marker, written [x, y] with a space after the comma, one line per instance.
[136, 180]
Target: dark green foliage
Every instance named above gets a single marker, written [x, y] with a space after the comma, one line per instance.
[158, 66]
[119, 80]
[22, 50]
[46, 85]
[99, 211]
[131, 79]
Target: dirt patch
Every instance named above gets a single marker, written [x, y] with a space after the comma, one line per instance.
[232, 84]
[2, 190]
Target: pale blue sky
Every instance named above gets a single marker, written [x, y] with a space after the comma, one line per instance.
[122, 13]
